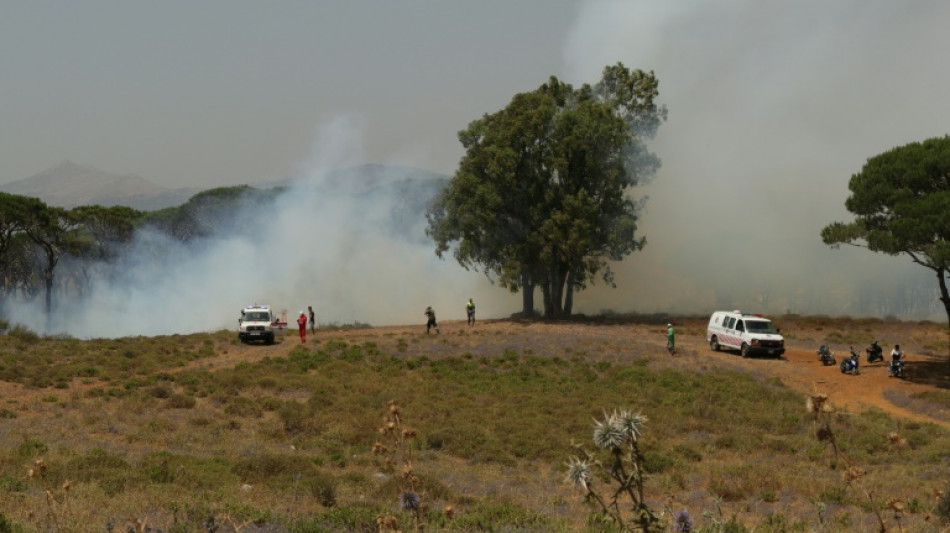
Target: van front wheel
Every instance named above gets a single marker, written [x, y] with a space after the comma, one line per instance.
[744, 350]
[714, 343]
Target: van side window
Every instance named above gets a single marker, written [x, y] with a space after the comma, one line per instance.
[740, 326]
[732, 322]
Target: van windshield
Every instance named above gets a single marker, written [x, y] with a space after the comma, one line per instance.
[760, 326]
[256, 316]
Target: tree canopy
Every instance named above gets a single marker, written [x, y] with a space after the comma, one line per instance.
[901, 203]
[540, 198]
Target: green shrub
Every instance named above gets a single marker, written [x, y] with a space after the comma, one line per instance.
[181, 401]
[322, 487]
[7, 526]
[272, 468]
[241, 406]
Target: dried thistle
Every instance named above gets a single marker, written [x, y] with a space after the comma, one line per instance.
[895, 505]
[823, 433]
[449, 512]
[854, 473]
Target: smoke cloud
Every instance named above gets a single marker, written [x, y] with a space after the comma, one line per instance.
[772, 107]
[327, 242]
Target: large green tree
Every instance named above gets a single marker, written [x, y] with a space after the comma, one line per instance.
[541, 196]
[901, 203]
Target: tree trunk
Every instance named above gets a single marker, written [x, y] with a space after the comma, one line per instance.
[48, 279]
[945, 298]
[558, 290]
[569, 299]
[527, 295]
[548, 302]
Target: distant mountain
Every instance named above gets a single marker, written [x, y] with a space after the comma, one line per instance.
[70, 185]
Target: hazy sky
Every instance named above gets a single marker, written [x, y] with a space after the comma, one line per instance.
[223, 92]
[773, 105]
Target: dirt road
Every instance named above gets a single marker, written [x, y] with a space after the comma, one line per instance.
[799, 369]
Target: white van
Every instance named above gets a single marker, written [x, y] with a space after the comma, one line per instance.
[259, 323]
[748, 333]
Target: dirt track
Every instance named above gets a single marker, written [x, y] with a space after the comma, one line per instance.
[799, 369]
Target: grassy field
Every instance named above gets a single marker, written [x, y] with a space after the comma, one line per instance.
[384, 429]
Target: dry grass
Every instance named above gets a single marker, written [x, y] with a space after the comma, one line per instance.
[172, 430]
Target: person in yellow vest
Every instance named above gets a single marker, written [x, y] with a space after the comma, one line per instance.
[470, 312]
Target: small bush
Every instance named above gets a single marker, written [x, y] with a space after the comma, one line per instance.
[181, 401]
[323, 488]
[23, 334]
[943, 506]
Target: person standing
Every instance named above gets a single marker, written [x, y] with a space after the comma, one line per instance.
[431, 323]
[670, 339]
[302, 325]
[313, 321]
[470, 312]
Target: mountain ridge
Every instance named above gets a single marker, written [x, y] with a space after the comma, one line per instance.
[69, 185]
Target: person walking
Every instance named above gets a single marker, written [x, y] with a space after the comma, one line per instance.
[470, 312]
[302, 325]
[431, 323]
[670, 339]
[313, 321]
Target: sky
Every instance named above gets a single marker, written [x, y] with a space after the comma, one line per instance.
[772, 107]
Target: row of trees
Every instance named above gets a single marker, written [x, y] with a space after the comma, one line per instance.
[540, 198]
[45, 247]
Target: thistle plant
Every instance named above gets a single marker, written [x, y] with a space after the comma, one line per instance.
[395, 447]
[619, 434]
[821, 411]
[57, 499]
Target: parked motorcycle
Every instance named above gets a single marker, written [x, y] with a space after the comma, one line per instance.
[850, 364]
[875, 352]
[826, 356]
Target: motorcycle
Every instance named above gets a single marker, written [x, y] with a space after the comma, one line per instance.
[875, 352]
[826, 356]
[896, 369]
[850, 364]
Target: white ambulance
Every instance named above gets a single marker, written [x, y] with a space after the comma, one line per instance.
[751, 334]
[259, 323]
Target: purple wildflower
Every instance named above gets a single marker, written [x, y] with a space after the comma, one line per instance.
[409, 500]
[682, 522]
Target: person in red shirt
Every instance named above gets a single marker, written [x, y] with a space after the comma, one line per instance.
[302, 324]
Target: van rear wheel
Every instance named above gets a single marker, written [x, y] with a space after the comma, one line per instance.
[714, 344]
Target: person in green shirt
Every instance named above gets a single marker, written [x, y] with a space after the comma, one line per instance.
[470, 312]
[670, 339]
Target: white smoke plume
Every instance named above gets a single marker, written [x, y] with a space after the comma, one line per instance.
[772, 107]
[325, 243]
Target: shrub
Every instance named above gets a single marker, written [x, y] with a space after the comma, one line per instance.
[943, 506]
[181, 401]
[323, 488]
